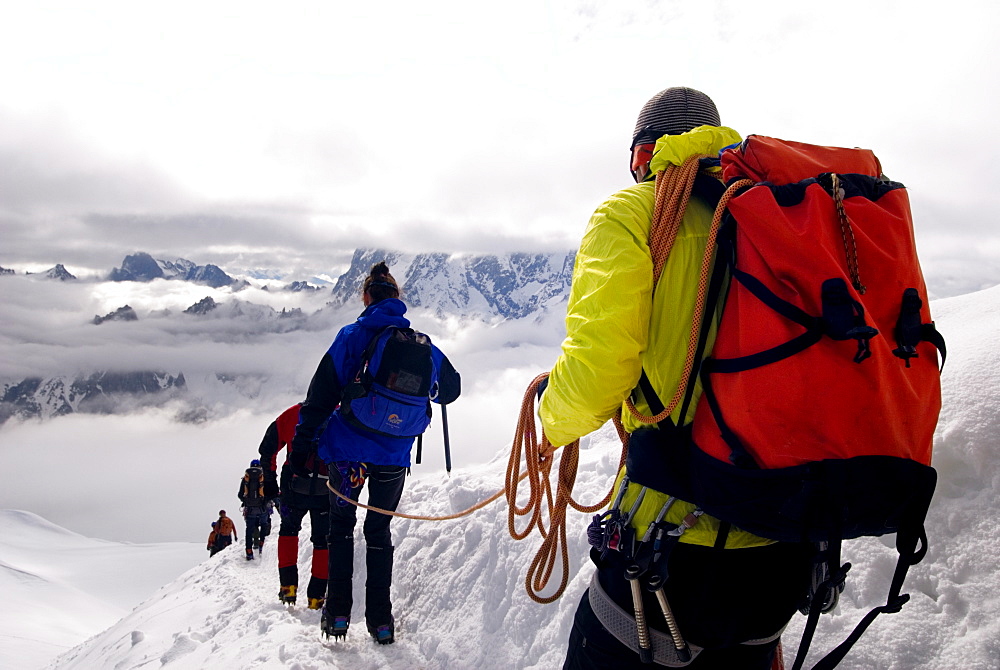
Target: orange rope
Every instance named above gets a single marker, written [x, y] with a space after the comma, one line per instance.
[661, 248]
[673, 192]
[538, 457]
[418, 517]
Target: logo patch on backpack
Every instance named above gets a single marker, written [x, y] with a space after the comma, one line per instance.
[390, 395]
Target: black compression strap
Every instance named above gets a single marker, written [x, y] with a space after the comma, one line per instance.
[773, 355]
[767, 296]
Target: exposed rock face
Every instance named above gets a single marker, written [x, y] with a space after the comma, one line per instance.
[96, 393]
[125, 313]
[59, 272]
[509, 287]
[299, 286]
[203, 306]
[143, 267]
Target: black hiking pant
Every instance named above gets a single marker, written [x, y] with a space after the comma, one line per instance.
[292, 514]
[720, 598]
[385, 488]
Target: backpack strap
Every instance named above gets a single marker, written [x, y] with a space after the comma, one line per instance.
[717, 283]
[366, 355]
[907, 541]
[817, 601]
[673, 190]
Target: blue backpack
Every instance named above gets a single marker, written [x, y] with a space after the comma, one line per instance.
[391, 393]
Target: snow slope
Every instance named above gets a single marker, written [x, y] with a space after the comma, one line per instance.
[459, 593]
[59, 587]
[458, 596]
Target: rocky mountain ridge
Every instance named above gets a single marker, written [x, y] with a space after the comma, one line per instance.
[143, 267]
[95, 393]
[488, 287]
[467, 288]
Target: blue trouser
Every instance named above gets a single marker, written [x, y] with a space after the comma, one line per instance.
[257, 520]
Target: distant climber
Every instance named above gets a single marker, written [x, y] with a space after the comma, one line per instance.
[255, 507]
[225, 530]
[214, 542]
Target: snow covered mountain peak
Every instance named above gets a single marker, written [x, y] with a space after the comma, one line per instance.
[488, 287]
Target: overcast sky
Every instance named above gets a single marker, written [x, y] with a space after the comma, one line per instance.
[254, 134]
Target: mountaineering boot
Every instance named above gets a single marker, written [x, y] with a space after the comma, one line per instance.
[287, 594]
[316, 603]
[249, 554]
[385, 633]
[334, 626]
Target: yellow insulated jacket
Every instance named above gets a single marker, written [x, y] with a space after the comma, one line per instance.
[616, 326]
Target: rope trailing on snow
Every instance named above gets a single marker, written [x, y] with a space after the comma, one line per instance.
[420, 517]
[539, 456]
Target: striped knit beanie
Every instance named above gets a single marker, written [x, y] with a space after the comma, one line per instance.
[674, 111]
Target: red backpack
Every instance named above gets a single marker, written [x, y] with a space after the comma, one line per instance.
[822, 390]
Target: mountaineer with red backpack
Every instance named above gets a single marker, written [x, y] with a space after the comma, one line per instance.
[298, 496]
[767, 341]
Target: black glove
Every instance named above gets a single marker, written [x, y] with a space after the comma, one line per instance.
[542, 385]
[298, 460]
[270, 485]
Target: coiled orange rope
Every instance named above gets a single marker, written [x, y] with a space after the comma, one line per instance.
[538, 458]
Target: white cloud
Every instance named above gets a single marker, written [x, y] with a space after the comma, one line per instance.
[320, 125]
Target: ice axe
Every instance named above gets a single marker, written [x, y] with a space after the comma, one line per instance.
[447, 441]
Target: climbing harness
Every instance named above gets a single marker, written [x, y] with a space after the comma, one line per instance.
[352, 476]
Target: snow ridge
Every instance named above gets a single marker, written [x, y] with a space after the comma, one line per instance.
[458, 597]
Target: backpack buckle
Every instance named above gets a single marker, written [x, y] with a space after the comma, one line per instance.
[862, 334]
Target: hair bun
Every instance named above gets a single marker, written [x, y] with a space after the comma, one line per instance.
[380, 284]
